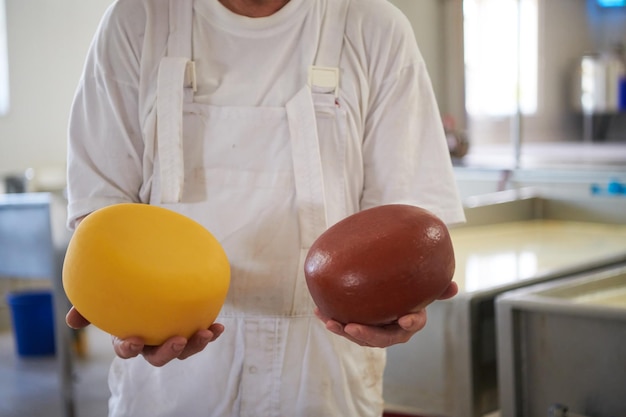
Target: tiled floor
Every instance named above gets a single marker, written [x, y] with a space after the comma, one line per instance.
[30, 387]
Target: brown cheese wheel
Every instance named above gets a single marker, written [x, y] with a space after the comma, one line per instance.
[380, 264]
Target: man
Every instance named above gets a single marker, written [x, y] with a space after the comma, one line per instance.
[267, 122]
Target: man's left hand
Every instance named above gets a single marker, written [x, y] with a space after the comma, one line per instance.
[399, 331]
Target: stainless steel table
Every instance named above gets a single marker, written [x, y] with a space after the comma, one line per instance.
[561, 344]
[33, 242]
[511, 240]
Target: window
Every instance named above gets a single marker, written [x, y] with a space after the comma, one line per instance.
[500, 60]
[4, 62]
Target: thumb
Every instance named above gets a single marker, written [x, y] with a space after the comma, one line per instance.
[75, 320]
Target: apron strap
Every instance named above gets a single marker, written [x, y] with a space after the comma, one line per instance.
[305, 144]
[307, 165]
[175, 85]
[180, 41]
[307, 162]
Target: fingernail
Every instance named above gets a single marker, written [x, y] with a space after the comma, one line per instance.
[134, 347]
[354, 331]
[177, 347]
[335, 327]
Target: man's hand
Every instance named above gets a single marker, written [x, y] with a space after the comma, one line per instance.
[176, 347]
[383, 336]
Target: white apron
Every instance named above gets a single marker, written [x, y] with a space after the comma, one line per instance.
[254, 177]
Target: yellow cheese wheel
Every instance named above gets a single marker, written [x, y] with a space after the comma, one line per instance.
[141, 270]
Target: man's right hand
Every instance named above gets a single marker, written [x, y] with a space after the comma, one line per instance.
[176, 347]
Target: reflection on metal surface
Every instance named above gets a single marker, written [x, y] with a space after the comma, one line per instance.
[609, 298]
[498, 268]
[496, 255]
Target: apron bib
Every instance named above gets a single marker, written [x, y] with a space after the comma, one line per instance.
[254, 177]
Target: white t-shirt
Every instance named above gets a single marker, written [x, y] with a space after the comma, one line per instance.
[384, 86]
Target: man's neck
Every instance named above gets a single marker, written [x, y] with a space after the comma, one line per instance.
[254, 8]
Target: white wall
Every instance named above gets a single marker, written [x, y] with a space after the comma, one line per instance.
[426, 19]
[568, 28]
[47, 42]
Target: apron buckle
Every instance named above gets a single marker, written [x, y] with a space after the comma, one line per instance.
[190, 76]
[324, 79]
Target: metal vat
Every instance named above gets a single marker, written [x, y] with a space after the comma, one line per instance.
[562, 343]
[511, 240]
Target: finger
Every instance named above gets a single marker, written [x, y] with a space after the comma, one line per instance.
[331, 325]
[391, 334]
[161, 355]
[413, 322]
[201, 339]
[75, 320]
[338, 329]
[451, 291]
[377, 336]
[371, 336]
[318, 313]
[127, 348]
[217, 330]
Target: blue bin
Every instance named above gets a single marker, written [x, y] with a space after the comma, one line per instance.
[32, 316]
[622, 94]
